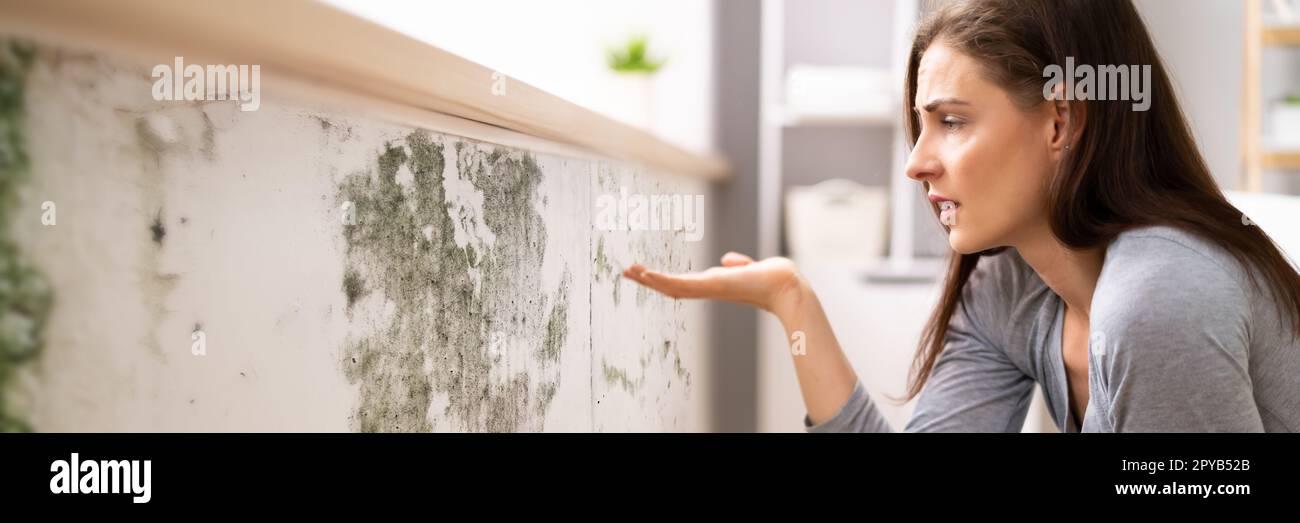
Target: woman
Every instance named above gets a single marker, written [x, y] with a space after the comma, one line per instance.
[1094, 253]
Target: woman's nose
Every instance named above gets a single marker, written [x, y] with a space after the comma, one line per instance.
[923, 166]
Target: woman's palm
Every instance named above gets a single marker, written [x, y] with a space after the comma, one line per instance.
[740, 279]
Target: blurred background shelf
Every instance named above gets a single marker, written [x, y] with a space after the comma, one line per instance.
[1280, 159]
[831, 129]
[793, 118]
[1281, 35]
[1270, 134]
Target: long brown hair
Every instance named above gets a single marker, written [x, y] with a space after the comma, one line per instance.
[1127, 168]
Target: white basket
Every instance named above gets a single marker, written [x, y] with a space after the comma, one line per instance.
[837, 221]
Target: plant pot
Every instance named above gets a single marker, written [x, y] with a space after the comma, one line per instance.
[1286, 125]
[633, 99]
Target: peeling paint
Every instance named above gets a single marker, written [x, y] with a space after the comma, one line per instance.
[451, 306]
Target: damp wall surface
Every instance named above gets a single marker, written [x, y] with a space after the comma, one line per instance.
[471, 290]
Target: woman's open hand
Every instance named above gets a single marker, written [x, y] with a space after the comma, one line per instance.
[770, 284]
[826, 378]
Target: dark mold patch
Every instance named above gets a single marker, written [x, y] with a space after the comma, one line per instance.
[447, 321]
[209, 146]
[353, 286]
[157, 230]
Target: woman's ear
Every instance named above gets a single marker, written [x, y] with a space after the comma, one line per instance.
[1067, 119]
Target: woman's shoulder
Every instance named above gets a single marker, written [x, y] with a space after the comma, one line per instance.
[1166, 278]
[1162, 251]
[1150, 273]
[1137, 258]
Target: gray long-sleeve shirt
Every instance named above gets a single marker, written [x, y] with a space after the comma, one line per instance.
[1181, 342]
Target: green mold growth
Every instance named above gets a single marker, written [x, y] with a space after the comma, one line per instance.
[557, 327]
[448, 323]
[15, 60]
[670, 348]
[546, 396]
[604, 270]
[617, 377]
[25, 294]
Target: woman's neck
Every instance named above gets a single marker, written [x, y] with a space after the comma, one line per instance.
[1070, 273]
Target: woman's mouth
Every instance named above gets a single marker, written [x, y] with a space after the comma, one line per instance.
[947, 209]
[948, 213]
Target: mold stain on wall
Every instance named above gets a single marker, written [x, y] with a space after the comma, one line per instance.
[25, 293]
[604, 271]
[453, 311]
[641, 380]
[160, 139]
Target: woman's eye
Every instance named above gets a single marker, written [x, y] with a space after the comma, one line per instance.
[951, 123]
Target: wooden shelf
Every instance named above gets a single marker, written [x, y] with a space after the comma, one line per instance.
[1280, 159]
[1257, 153]
[1281, 36]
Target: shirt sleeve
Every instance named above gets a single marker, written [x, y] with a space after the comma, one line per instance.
[973, 387]
[859, 414]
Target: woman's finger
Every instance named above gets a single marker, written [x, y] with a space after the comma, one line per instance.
[690, 285]
[637, 273]
[735, 259]
[634, 272]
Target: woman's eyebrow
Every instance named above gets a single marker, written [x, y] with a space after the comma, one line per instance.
[929, 107]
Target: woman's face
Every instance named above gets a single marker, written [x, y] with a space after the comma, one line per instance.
[980, 150]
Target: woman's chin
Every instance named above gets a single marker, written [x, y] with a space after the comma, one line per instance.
[961, 243]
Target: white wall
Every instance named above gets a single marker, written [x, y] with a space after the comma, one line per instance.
[559, 46]
[1201, 44]
[178, 217]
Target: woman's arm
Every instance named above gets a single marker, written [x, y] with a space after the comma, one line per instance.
[974, 386]
[826, 379]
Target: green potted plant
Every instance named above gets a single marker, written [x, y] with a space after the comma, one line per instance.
[633, 70]
[1286, 121]
[633, 58]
